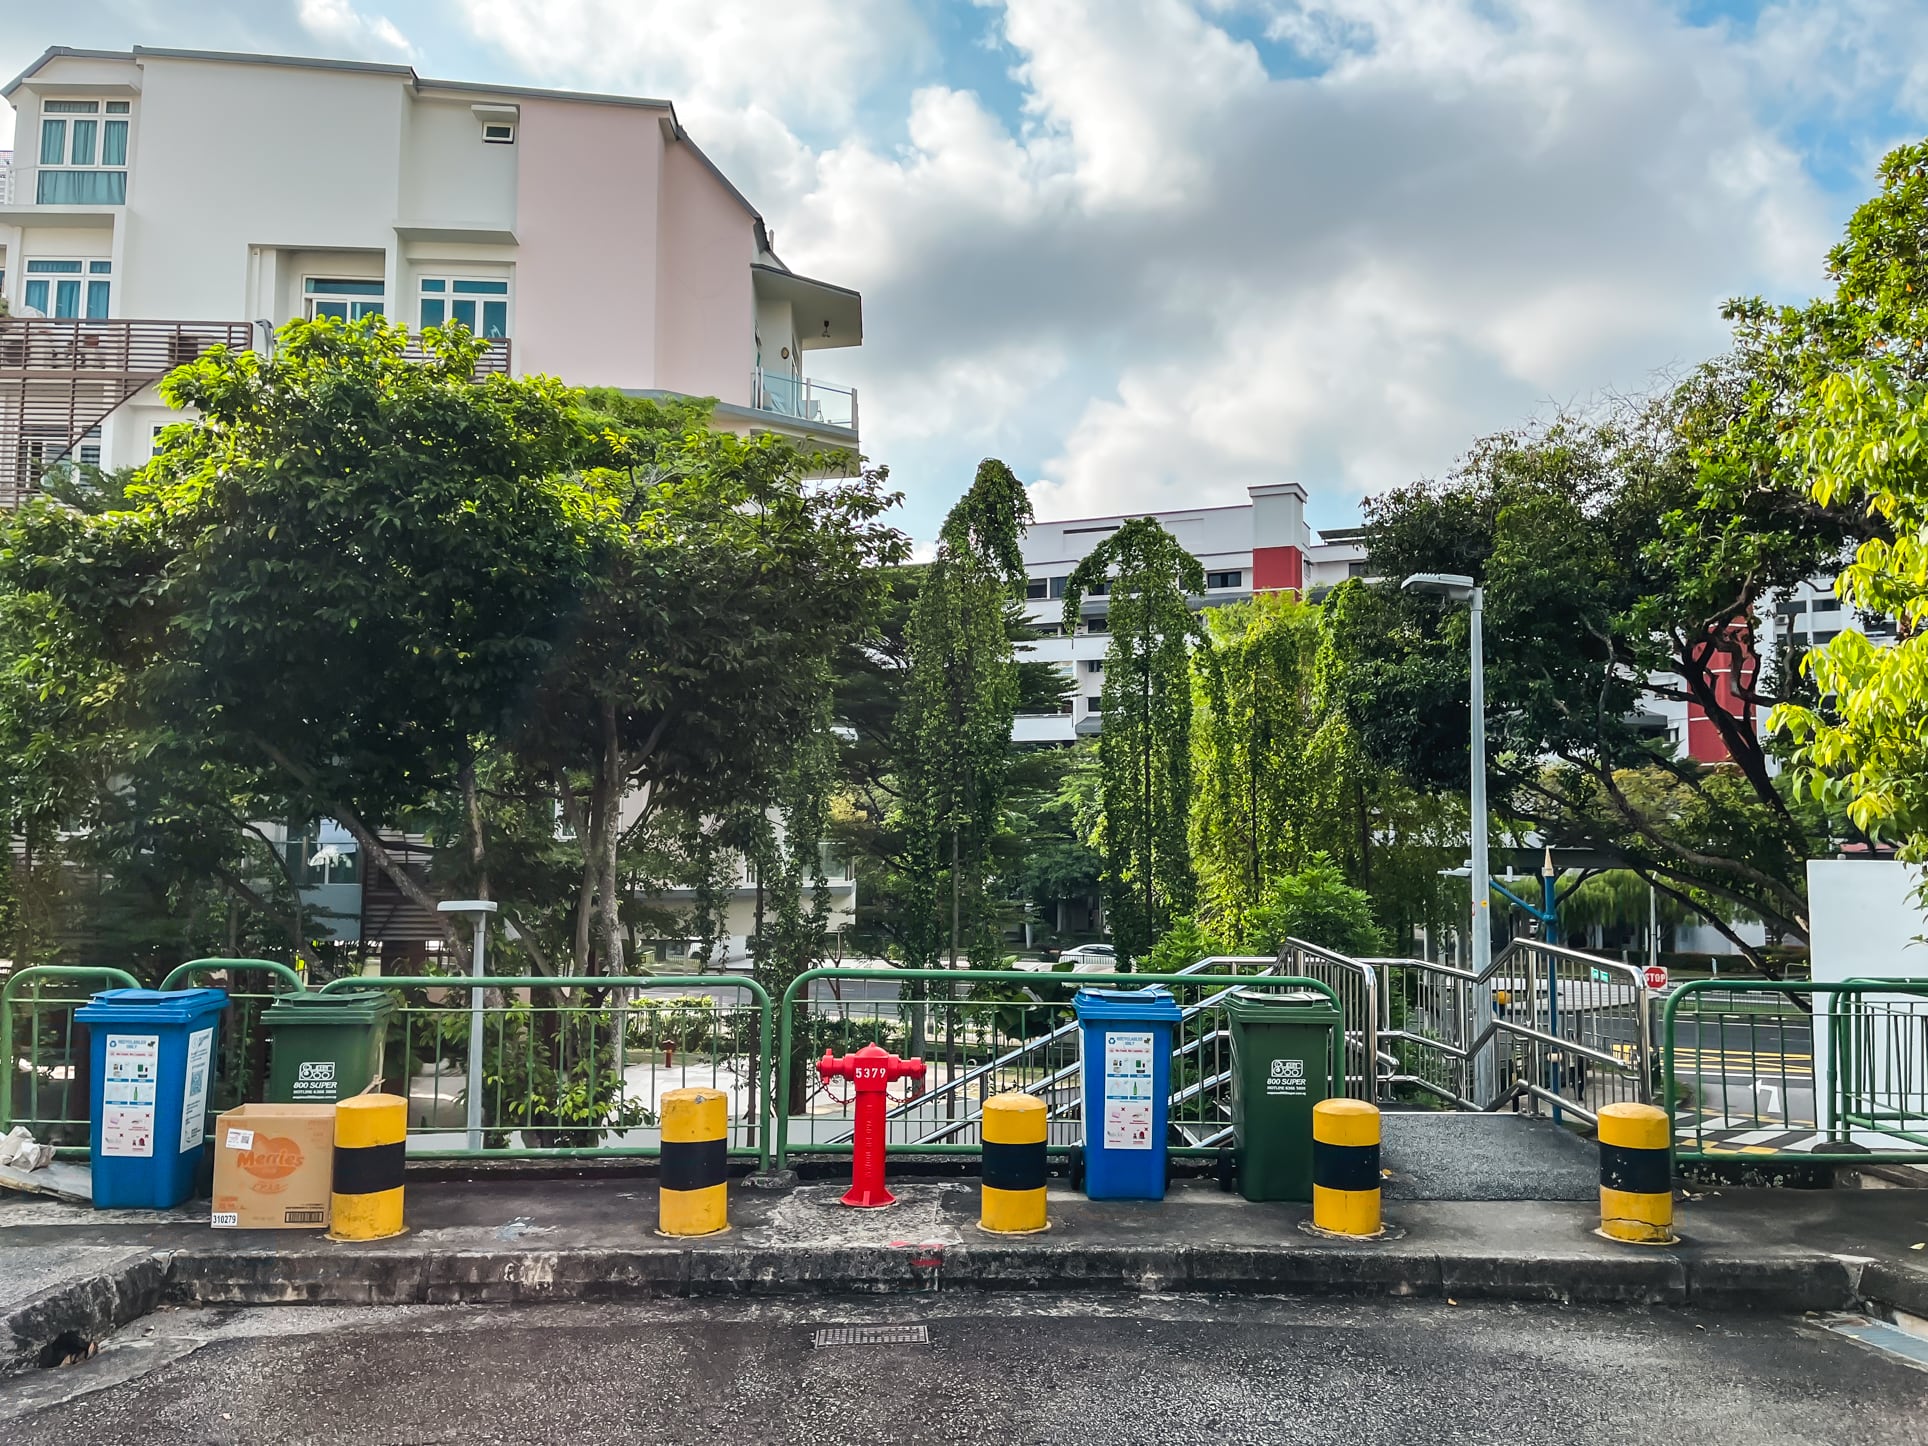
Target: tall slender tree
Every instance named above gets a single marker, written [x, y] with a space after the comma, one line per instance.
[1145, 750]
[954, 729]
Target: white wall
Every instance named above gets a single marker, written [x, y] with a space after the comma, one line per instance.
[1868, 924]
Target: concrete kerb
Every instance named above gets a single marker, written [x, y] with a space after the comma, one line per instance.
[112, 1272]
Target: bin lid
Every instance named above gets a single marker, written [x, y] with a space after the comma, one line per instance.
[1127, 1006]
[1297, 1006]
[151, 1006]
[352, 1006]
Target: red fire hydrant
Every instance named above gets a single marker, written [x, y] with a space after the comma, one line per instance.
[870, 1070]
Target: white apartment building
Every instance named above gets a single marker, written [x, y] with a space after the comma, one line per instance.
[1258, 546]
[169, 200]
[6, 187]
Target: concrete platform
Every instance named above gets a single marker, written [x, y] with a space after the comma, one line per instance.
[1445, 1155]
[70, 1269]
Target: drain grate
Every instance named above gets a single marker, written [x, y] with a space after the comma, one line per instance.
[909, 1335]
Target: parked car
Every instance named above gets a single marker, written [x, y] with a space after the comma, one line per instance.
[1089, 959]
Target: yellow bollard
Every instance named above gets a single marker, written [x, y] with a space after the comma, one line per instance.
[1636, 1175]
[1014, 1165]
[694, 1199]
[1345, 1167]
[370, 1131]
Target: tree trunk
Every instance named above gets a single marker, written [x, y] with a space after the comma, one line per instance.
[609, 786]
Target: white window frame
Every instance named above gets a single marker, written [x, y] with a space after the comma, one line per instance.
[94, 271]
[106, 113]
[446, 297]
[358, 306]
[507, 138]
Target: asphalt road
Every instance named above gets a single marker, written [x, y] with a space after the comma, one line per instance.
[997, 1369]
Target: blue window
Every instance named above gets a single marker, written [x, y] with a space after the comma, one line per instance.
[344, 298]
[57, 288]
[481, 306]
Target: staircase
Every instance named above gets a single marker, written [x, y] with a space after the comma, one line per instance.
[61, 378]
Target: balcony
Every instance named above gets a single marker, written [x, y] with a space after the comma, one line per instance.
[64, 196]
[813, 402]
[493, 361]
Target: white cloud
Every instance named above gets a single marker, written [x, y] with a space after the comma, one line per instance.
[1144, 269]
[337, 22]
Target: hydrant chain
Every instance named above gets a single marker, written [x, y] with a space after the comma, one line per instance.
[871, 1071]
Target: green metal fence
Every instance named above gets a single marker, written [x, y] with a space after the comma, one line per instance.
[241, 1055]
[983, 1032]
[574, 1066]
[44, 1054]
[1797, 1070]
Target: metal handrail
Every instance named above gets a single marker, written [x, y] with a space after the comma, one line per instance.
[706, 982]
[1368, 1031]
[787, 1013]
[1013, 1056]
[295, 983]
[9, 993]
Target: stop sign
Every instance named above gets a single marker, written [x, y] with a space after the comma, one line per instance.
[1654, 976]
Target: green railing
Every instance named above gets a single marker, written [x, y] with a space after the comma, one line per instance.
[1797, 1070]
[1013, 1030]
[241, 1060]
[43, 1053]
[573, 1067]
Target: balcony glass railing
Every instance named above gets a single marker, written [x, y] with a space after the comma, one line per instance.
[54, 186]
[805, 399]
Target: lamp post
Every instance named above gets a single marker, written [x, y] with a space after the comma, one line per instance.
[477, 911]
[1456, 587]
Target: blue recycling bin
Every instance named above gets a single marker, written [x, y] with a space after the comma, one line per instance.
[1126, 1039]
[153, 1063]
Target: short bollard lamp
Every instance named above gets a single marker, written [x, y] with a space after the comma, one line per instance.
[871, 1071]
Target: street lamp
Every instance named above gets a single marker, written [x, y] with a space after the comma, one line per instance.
[1458, 588]
[477, 911]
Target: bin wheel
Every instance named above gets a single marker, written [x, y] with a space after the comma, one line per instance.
[1227, 1171]
[1077, 1169]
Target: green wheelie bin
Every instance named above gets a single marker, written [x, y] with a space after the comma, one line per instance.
[325, 1047]
[1281, 1067]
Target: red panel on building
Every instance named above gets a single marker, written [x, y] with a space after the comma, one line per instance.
[1731, 673]
[1275, 569]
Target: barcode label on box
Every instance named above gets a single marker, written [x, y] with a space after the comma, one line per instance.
[303, 1217]
[231, 1219]
[240, 1139]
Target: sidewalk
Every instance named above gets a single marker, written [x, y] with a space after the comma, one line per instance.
[73, 1269]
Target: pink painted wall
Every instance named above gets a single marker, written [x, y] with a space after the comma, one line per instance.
[705, 302]
[586, 220]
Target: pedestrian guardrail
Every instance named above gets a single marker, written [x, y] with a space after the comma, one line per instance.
[1355, 984]
[1797, 1070]
[986, 1032]
[1566, 1030]
[241, 1058]
[572, 1067]
[43, 1053]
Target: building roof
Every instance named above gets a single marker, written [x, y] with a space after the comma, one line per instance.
[417, 82]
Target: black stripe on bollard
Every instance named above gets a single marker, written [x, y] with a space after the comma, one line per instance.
[369, 1169]
[694, 1164]
[1015, 1167]
[1345, 1167]
[1638, 1172]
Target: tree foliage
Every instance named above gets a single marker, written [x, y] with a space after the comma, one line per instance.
[1145, 750]
[954, 730]
[1859, 434]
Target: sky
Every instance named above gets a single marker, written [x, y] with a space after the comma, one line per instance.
[1151, 252]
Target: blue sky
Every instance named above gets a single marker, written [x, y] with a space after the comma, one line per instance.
[1154, 251]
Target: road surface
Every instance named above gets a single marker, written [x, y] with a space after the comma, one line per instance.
[1010, 1369]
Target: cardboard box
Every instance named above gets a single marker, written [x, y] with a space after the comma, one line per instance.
[274, 1167]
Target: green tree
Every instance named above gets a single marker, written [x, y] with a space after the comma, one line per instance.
[1613, 567]
[331, 586]
[954, 730]
[1279, 777]
[1145, 750]
[692, 677]
[1858, 436]
[1316, 904]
